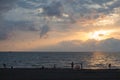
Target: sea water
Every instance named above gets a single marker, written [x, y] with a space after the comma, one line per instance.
[89, 60]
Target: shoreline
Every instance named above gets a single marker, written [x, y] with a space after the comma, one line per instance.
[58, 74]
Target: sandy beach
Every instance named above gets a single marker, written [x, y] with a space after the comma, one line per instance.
[58, 74]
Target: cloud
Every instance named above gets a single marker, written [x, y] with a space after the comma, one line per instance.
[3, 35]
[51, 8]
[6, 5]
[8, 27]
[44, 30]
[101, 1]
[109, 45]
[23, 25]
[32, 4]
[114, 4]
[67, 18]
[54, 9]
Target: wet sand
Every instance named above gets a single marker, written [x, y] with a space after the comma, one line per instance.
[59, 74]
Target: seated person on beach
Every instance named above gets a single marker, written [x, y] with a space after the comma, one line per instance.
[77, 67]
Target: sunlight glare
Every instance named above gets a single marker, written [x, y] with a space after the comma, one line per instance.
[99, 35]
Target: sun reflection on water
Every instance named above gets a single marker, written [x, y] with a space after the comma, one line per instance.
[100, 60]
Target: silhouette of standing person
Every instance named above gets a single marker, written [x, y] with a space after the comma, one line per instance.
[4, 65]
[42, 67]
[109, 66]
[54, 66]
[11, 67]
[81, 65]
[72, 65]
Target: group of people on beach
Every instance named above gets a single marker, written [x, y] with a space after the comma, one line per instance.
[5, 66]
[73, 66]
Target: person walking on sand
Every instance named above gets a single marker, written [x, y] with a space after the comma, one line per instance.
[72, 65]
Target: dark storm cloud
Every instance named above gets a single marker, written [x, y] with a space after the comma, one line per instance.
[44, 30]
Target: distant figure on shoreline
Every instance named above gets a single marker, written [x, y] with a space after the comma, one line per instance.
[109, 66]
[81, 65]
[4, 65]
[72, 65]
[42, 67]
[11, 67]
[54, 66]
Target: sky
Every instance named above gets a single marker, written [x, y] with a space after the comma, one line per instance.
[60, 25]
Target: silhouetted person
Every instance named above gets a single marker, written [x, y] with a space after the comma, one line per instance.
[54, 66]
[109, 66]
[43, 67]
[4, 65]
[11, 67]
[81, 65]
[72, 65]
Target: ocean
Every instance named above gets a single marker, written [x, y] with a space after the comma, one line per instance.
[89, 60]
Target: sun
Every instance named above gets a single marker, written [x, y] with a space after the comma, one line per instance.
[99, 35]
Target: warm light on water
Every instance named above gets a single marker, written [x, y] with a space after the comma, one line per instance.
[96, 60]
[101, 60]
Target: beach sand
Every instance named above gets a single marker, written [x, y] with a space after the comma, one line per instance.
[58, 74]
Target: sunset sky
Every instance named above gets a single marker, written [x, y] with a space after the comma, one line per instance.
[60, 25]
